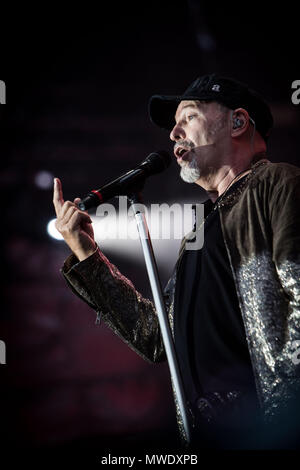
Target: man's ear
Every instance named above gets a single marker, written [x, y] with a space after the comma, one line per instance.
[239, 122]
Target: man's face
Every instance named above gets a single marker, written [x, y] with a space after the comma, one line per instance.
[201, 134]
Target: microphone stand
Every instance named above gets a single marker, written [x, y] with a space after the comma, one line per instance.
[136, 201]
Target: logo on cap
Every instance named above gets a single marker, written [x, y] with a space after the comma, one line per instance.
[216, 88]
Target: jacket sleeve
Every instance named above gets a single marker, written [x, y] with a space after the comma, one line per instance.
[285, 221]
[132, 317]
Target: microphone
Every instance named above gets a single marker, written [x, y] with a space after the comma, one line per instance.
[130, 182]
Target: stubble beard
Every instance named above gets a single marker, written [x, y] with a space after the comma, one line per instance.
[190, 171]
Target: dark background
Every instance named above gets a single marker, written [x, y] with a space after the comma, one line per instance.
[78, 82]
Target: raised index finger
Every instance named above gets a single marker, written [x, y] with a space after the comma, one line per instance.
[58, 199]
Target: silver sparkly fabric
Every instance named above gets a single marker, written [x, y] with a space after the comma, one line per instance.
[261, 231]
[272, 324]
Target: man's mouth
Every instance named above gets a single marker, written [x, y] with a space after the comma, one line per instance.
[181, 153]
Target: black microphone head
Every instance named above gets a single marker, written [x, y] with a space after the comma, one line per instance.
[156, 162]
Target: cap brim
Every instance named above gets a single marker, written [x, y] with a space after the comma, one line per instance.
[162, 109]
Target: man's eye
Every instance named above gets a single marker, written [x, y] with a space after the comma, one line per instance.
[191, 116]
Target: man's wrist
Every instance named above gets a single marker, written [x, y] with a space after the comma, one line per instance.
[83, 255]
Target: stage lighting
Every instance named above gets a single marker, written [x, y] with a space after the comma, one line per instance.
[44, 180]
[52, 231]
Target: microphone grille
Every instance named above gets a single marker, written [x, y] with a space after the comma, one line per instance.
[157, 162]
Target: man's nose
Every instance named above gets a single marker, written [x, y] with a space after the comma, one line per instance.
[177, 133]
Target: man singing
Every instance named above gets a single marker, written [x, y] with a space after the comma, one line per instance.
[234, 304]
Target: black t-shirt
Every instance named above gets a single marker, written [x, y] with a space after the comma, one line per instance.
[210, 337]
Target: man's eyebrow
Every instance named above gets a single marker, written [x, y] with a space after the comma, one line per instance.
[191, 105]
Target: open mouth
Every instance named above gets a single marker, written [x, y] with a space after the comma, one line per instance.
[180, 153]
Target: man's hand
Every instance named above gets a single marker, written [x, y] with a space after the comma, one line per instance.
[74, 225]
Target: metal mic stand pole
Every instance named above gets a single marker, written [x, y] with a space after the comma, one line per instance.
[136, 204]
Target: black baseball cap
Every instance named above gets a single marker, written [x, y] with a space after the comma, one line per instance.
[224, 90]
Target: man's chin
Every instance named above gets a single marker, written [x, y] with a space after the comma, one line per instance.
[189, 175]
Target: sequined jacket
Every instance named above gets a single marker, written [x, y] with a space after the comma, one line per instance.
[260, 223]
